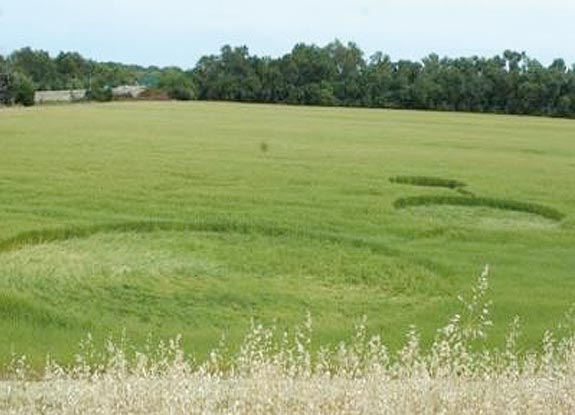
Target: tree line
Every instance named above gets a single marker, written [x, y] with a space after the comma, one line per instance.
[337, 74]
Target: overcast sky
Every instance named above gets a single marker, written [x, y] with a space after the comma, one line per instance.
[178, 32]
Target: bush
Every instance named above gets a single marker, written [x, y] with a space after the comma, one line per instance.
[178, 85]
[23, 91]
[100, 94]
[156, 94]
[181, 93]
[99, 90]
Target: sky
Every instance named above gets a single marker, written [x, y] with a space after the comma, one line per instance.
[179, 32]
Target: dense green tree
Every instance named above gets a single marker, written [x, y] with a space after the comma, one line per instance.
[177, 83]
[22, 90]
[378, 78]
[229, 76]
[37, 66]
[348, 85]
[99, 90]
[336, 74]
[73, 70]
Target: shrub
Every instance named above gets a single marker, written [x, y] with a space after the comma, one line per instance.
[155, 94]
[100, 94]
[181, 93]
[177, 84]
[23, 91]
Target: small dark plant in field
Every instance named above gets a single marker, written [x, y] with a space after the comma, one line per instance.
[264, 147]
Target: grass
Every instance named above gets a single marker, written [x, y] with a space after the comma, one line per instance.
[278, 371]
[474, 201]
[428, 181]
[165, 218]
[503, 204]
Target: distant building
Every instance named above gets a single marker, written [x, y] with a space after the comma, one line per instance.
[123, 91]
[128, 91]
[59, 96]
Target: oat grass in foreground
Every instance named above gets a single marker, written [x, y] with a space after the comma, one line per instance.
[277, 373]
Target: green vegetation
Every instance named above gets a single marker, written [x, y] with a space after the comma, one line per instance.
[428, 181]
[99, 91]
[494, 203]
[177, 84]
[17, 89]
[23, 91]
[427, 200]
[336, 74]
[169, 218]
[277, 371]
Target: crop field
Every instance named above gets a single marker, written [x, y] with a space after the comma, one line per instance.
[148, 220]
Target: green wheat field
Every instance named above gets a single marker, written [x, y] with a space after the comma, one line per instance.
[158, 219]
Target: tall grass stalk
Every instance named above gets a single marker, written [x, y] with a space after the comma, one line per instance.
[275, 372]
